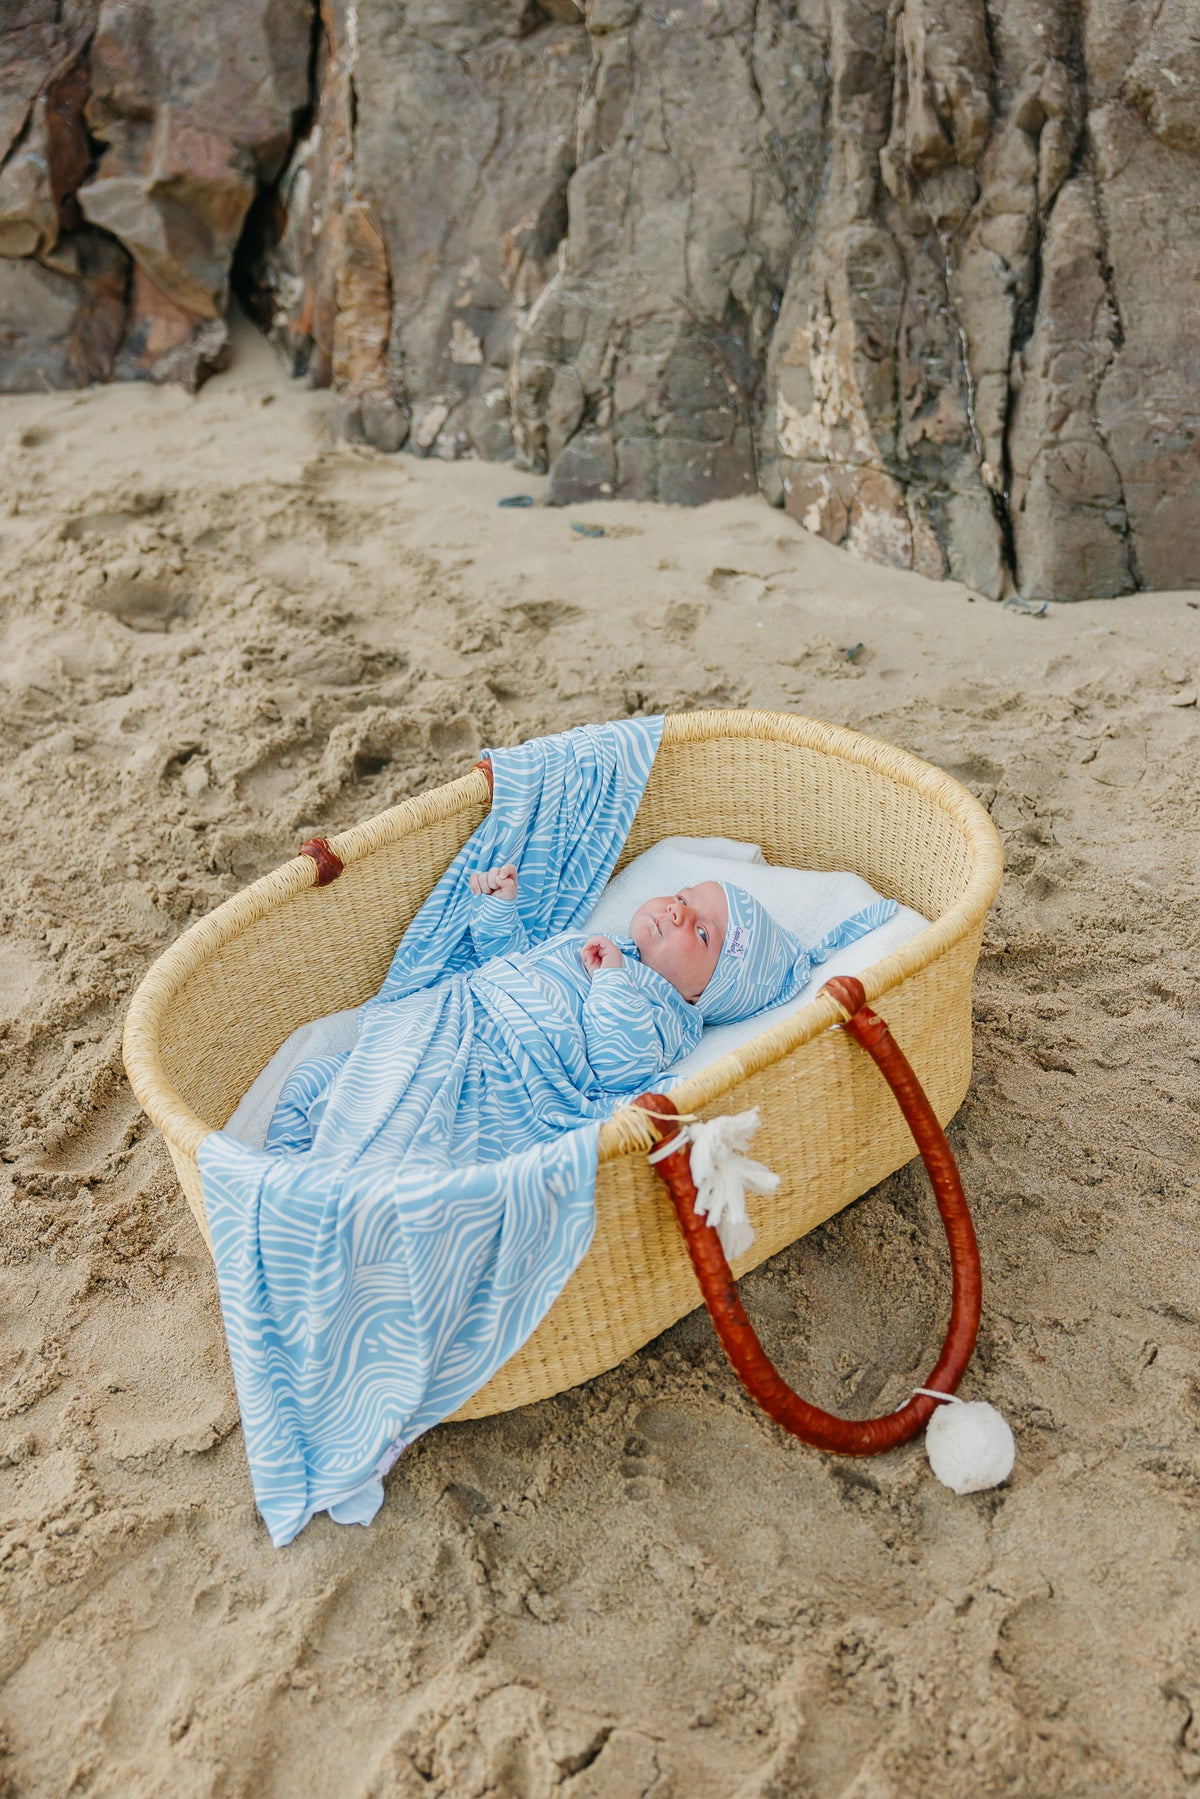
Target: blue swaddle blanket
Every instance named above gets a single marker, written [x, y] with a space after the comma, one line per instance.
[374, 1281]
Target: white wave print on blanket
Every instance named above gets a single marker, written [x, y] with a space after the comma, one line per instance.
[372, 1282]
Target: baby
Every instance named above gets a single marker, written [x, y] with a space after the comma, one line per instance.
[560, 1031]
[678, 935]
[622, 1011]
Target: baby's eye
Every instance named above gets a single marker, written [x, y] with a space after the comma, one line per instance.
[702, 934]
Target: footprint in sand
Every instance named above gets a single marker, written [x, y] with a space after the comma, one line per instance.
[139, 598]
[21, 974]
[125, 510]
[641, 1470]
[274, 777]
[81, 1148]
[543, 615]
[681, 620]
[738, 586]
[326, 665]
[1119, 761]
[976, 768]
[453, 737]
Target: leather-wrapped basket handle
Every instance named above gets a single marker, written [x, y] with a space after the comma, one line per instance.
[824, 1430]
[329, 863]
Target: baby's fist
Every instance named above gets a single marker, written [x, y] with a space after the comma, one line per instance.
[500, 881]
[598, 953]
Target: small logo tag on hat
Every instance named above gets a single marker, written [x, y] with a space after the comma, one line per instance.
[738, 942]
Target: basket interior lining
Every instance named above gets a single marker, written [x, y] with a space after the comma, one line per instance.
[325, 949]
[807, 810]
[318, 952]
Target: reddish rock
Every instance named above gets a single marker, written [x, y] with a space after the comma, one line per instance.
[328, 275]
[177, 198]
[167, 342]
[47, 151]
[195, 106]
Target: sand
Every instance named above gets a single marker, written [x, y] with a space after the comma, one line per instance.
[221, 630]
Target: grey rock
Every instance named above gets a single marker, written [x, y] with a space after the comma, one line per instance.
[586, 468]
[60, 327]
[676, 250]
[1069, 517]
[922, 271]
[1148, 403]
[453, 128]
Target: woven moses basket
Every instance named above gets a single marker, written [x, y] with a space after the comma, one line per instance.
[214, 1008]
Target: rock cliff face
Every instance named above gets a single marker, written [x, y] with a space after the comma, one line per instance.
[927, 272]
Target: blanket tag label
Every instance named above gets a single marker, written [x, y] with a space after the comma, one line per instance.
[738, 942]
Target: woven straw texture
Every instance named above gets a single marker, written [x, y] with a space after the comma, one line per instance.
[214, 1008]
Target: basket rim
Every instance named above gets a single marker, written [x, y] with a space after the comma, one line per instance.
[628, 1129]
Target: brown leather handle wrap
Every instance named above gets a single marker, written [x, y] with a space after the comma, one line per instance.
[329, 863]
[751, 1365]
[484, 765]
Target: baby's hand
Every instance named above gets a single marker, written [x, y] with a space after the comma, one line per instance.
[600, 952]
[500, 881]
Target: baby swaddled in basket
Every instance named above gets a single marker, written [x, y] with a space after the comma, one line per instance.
[424, 1194]
[566, 1030]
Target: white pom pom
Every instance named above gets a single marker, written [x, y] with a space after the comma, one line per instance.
[969, 1445]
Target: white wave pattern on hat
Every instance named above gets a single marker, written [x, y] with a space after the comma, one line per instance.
[761, 964]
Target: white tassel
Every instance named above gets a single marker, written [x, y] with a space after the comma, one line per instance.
[722, 1172]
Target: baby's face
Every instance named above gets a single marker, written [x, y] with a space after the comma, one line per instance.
[680, 935]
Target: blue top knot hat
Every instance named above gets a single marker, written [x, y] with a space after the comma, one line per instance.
[762, 965]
